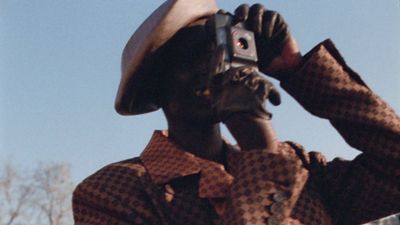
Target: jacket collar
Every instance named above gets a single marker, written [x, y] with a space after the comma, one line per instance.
[165, 161]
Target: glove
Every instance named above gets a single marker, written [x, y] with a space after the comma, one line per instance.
[242, 90]
[270, 31]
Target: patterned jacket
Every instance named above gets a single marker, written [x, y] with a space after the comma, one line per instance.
[167, 185]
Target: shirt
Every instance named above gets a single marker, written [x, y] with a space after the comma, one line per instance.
[168, 185]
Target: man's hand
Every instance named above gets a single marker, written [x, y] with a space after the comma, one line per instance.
[242, 90]
[239, 97]
[278, 53]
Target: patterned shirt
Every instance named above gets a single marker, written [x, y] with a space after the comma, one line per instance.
[168, 185]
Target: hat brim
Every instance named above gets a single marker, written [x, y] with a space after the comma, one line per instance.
[134, 95]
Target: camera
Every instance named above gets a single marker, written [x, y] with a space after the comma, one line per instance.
[238, 43]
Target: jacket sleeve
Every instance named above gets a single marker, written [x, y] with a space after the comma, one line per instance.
[115, 195]
[367, 187]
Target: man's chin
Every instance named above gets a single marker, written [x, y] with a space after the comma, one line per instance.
[202, 118]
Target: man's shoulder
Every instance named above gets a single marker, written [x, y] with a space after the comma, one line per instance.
[122, 177]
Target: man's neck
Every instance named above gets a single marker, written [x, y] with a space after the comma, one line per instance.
[203, 140]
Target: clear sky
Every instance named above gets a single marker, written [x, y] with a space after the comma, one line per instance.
[60, 69]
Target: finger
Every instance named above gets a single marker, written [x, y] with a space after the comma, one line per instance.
[269, 19]
[267, 89]
[255, 19]
[273, 96]
[241, 13]
[221, 11]
[280, 30]
[317, 159]
[246, 71]
[241, 73]
[252, 81]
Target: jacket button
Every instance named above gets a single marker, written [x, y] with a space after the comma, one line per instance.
[273, 220]
[281, 196]
[277, 208]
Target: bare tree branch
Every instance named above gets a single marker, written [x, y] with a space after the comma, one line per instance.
[15, 194]
[42, 196]
[55, 192]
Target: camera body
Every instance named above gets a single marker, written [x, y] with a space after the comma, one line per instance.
[238, 44]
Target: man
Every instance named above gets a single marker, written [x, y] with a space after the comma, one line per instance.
[190, 175]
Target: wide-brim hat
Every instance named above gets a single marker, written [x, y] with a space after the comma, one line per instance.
[135, 96]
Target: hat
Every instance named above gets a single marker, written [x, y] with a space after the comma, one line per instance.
[135, 95]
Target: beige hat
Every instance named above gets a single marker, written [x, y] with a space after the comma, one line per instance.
[134, 97]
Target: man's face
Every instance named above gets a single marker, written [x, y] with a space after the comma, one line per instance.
[189, 93]
[188, 85]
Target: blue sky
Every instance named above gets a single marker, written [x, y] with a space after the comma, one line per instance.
[60, 69]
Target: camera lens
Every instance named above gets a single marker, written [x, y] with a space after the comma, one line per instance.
[242, 43]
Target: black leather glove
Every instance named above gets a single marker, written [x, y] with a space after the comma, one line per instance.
[242, 90]
[270, 30]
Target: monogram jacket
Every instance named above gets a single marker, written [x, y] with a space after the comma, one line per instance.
[167, 185]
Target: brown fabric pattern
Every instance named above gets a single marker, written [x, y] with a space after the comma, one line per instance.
[108, 197]
[368, 187]
[187, 207]
[310, 209]
[291, 186]
[172, 162]
[215, 182]
[330, 90]
[263, 181]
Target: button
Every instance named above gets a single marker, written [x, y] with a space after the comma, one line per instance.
[273, 220]
[277, 208]
[281, 196]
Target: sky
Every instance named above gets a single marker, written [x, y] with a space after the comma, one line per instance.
[60, 70]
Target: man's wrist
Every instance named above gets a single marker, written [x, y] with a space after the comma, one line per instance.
[252, 132]
[288, 62]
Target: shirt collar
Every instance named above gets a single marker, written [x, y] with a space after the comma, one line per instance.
[165, 161]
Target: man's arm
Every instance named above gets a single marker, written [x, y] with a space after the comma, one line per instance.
[368, 187]
[269, 176]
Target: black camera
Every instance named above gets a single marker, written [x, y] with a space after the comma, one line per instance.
[238, 43]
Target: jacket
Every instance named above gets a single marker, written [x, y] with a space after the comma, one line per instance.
[167, 185]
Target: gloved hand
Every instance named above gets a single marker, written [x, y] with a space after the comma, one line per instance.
[278, 53]
[242, 90]
[239, 96]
